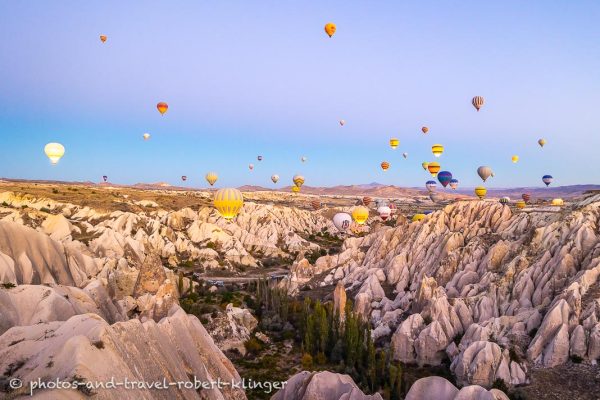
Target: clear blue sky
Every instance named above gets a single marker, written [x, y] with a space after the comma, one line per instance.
[244, 78]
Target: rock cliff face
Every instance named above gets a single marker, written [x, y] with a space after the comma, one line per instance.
[322, 385]
[493, 289]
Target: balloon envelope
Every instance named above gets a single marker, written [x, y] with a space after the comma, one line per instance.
[444, 177]
[228, 202]
[547, 179]
[430, 185]
[330, 29]
[360, 214]
[384, 212]
[54, 151]
[275, 178]
[453, 183]
[385, 165]
[480, 192]
[477, 102]
[484, 172]
[342, 221]
[394, 142]
[162, 107]
[434, 168]
[437, 150]
[146, 136]
[211, 178]
[298, 180]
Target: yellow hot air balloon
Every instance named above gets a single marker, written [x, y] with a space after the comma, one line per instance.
[477, 102]
[103, 38]
[437, 150]
[434, 168]
[54, 151]
[360, 214]
[385, 165]
[515, 159]
[418, 217]
[542, 142]
[330, 28]
[211, 178]
[394, 143]
[162, 107]
[480, 191]
[228, 202]
[295, 189]
[425, 129]
[298, 180]
[425, 165]
[146, 136]
[520, 204]
[558, 202]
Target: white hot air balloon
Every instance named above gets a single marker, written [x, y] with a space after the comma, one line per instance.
[384, 212]
[405, 155]
[274, 178]
[342, 221]
[303, 159]
[54, 151]
[146, 136]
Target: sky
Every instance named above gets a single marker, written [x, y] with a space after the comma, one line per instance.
[262, 78]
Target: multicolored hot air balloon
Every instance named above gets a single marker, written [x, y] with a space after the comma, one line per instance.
[394, 143]
[515, 159]
[342, 221]
[480, 192]
[425, 129]
[434, 168]
[104, 178]
[54, 151]
[298, 180]
[430, 185]
[315, 204]
[228, 202]
[418, 217]
[162, 107]
[385, 165]
[547, 179]
[366, 201]
[183, 178]
[484, 172]
[146, 136]
[542, 142]
[259, 158]
[526, 197]
[211, 178]
[425, 165]
[250, 167]
[360, 214]
[453, 183]
[384, 212]
[504, 200]
[405, 155]
[444, 177]
[103, 38]
[520, 204]
[330, 28]
[477, 102]
[275, 178]
[558, 202]
[437, 150]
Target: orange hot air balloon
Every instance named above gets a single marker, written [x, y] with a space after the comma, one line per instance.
[425, 129]
[330, 28]
[434, 168]
[103, 38]
[315, 204]
[366, 201]
[162, 107]
[385, 165]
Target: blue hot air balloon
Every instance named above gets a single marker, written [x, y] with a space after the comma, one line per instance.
[453, 183]
[444, 177]
[430, 185]
[547, 179]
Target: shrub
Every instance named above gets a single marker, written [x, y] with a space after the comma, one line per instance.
[307, 362]
[533, 332]
[8, 285]
[321, 359]
[576, 359]
[55, 191]
[253, 346]
[99, 344]
[512, 353]
[500, 385]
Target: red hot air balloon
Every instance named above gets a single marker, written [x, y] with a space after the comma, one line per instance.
[526, 197]
[366, 201]
[315, 204]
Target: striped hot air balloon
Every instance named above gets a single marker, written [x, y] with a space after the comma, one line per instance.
[366, 201]
[453, 183]
[211, 178]
[430, 185]
[526, 197]
[434, 168]
[547, 179]
[385, 165]
[425, 129]
[444, 177]
[228, 202]
[477, 102]
[162, 107]
[315, 204]
[393, 207]
[504, 200]
[298, 180]
[394, 143]
[480, 192]
[437, 150]
[360, 214]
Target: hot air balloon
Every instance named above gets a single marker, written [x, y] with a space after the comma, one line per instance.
[275, 178]
[425, 165]
[259, 158]
[228, 202]
[434, 168]
[342, 122]
[558, 202]
[493, 174]
[385, 165]
[146, 136]
[183, 178]
[162, 107]
[211, 178]
[542, 142]
[484, 172]
[526, 197]
[547, 179]
[520, 204]
[104, 178]
[298, 180]
[315, 204]
[515, 159]
[295, 189]
[103, 38]
[330, 28]
[504, 200]
[303, 159]
[430, 185]
[480, 191]
[405, 155]
[454, 183]
[394, 142]
[444, 177]
[366, 201]
[425, 129]
[418, 217]
[360, 214]
[384, 212]
[250, 167]
[342, 221]
[393, 207]
[54, 151]
[437, 150]
[477, 102]
[426, 212]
